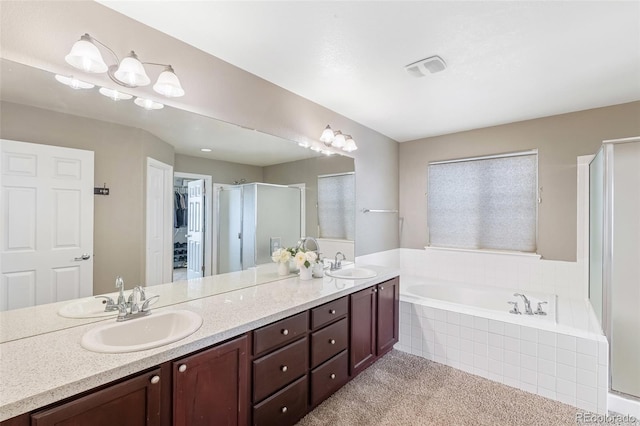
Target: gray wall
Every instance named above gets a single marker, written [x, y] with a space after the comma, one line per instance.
[215, 89]
[220, 171]
[307, 172]
[559, 140]
[120, 159]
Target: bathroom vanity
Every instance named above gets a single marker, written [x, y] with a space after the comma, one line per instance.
[261, 365]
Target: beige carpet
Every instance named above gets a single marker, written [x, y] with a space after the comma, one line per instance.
[402, 389]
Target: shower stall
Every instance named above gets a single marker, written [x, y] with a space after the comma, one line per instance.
[251, 217]
[614, 258]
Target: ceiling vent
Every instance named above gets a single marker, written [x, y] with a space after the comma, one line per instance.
[423, 67]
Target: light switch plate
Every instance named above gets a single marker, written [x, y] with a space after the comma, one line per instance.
[274, 243]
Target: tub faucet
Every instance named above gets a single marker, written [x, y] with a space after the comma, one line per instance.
[527, 303]
[337, 264]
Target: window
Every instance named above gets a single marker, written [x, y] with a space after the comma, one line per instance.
[484, 203]
[336, 209]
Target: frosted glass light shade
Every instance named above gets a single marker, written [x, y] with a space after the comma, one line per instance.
[148, 104]
[114, 94]
[74, 83]
[350, 145]
[131, 72]
[85, 56]
[339, 140]
[168, 84]
[327, 135]
[317, 146]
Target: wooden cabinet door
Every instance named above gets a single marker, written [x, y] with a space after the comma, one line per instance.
[133, 402]
[388, 315]
[212, 387]
[362, 316]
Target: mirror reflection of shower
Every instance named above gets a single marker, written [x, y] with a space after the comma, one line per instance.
[250, 216]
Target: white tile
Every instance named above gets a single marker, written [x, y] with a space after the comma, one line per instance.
[546, 381]
[603, 353]
[480, 349]
[587, 393]
[566, 399]
[514, 383]
[566, 372]
[466, 358]
[440, 359]
[481, 323]
[587, 378]
[453, 355]
[511, 357]
[466, 367]
[547, 393]
[587, 362]
[546, 367]
[530, 334]
[416, 331]
[495, 367]
[428, 335]
[416, 352]
[440, 337]
[480, 336]
[428, 355]
[405, 318]
[565, 387]
[453, 342]
[496, 353]
[416, 345]
[511, 371]
[453, 330]
[547, 338]
[440, 326]
[529, 348]
[529, 362]
[466, 345]
[566, 342]
[466, 320]
[440, 315]
[466, 333]
[439, 350]
[603, 377]
[496, 377]
[496, 340]
[496, 327]
[481, 362]
[512, 330]
[566, 357]
[453, 317]
[587, 347]
[428, 312]
[512, 344]
[602, 401]
[547, 352]
[528, 376]
[481, 372]
[586, 405]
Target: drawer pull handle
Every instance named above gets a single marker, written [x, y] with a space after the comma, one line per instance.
[182, 368]
[285, 332]
[283, 410]
[332, 311]
[284, 368]
[332, 376]
[381, 288]
[155, 379]
[332, 341]
[375, 290]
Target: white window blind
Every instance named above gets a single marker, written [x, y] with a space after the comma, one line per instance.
[336, 206]
[484, 203]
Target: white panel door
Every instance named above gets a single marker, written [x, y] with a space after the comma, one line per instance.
[46, 231]
[159, 244]
[195, 229]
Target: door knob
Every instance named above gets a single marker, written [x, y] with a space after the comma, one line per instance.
[81, 258]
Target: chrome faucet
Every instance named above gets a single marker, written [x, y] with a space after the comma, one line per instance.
[136, 306]
[337, 264]
[120, 285]
[527, 303]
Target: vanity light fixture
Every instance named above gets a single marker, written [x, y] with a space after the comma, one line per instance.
[336, 139]
[129, 72]
[148, 104]
[114, 94]
[74, 83]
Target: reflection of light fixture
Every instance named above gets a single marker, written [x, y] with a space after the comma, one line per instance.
[335, 139]
[74, 83]
[114, 94]
[129, 72]
[350, 144]
[338, 140]
[148, 104]
[316, 146]
[327, 135]
[304, 144]
[205, 149]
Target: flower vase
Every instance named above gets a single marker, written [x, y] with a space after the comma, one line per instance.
[283, 268]
[293, 268]
[305, 273]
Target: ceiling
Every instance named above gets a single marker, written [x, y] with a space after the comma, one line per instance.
[506, 61]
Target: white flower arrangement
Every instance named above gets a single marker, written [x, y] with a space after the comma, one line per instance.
[305, 258]
[281, 255]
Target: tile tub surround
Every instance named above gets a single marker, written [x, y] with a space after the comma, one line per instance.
[569, 369]
[43, 369]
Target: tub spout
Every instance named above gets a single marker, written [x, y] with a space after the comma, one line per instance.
[527, 303]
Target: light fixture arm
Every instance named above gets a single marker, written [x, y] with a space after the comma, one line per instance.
[90, 37]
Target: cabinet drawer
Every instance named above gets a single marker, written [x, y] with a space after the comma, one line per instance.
[328, 312]
[329, 377]
[273, 335]
[284, 408]
[273, 371]
[328, 341]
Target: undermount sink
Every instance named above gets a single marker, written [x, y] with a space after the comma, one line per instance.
[156, 329]
[352, 273]
[91, 307]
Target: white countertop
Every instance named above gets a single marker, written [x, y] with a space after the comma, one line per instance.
[42, 369]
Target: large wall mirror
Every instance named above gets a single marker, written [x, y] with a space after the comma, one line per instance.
[243, 163]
